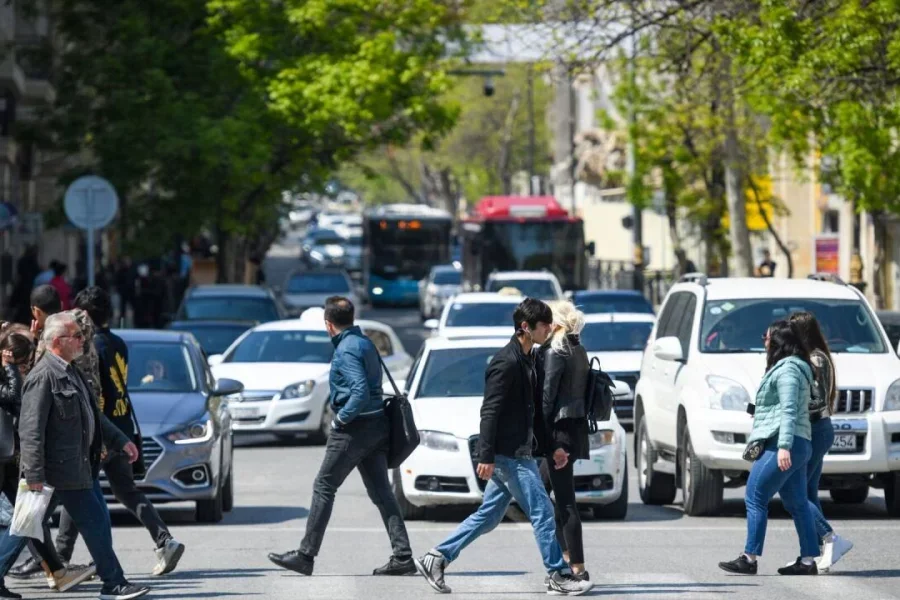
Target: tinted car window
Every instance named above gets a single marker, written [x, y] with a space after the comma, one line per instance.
[533, 288]
[615, 337]
[160, 367]
[481, 315]
[283, 346]
[214, 339]
[455, 372]
[318, 283]
[599, 304]
[736, 326]
[448, 278]
[230, 308]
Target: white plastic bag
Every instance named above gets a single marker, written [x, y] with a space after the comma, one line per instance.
[28, 516]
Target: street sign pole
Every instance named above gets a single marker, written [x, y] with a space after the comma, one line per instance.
[91, 203]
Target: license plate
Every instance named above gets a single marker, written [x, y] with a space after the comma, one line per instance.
[845, 442]
[244, 412]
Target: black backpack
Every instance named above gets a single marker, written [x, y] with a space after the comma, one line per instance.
[598, 400]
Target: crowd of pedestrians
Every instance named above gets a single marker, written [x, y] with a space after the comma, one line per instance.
[63, 385]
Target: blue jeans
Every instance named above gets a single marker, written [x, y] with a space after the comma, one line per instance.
[519, 479]
[766, 479]
[822, 438]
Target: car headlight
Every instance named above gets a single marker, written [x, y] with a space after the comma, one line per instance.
[195, 433]
[316, 255]
[892, 399]
[298, 390]
[604, 437]
[438, 441]
[727, 394]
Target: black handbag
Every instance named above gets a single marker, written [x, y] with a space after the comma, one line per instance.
[599, 396]
[403, 437]
[754, 450]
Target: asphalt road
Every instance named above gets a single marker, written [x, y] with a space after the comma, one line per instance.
[655, 553]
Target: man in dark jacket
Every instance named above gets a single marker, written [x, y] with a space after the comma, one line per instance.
[62, 433]
[511, 421]
[359, 439]
[115, 404]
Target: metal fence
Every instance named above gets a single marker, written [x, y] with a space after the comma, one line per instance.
[620, 275]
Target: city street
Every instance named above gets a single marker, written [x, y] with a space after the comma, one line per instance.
[656, 553]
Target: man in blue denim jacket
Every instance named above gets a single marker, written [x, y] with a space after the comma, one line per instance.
[358, 440]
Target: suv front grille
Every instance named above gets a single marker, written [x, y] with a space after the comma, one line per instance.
[854, 401]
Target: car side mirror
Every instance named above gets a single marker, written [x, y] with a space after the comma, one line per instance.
[668, 348]
[228, 387]
[898, 348]
[569, 295]
[277, 290]
[215, 359]
[432, 324]
[621, 389]
[388, 390]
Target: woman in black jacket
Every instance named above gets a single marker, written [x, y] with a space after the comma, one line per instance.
[566, 368]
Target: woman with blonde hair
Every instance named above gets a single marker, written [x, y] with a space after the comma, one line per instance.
[566, 368]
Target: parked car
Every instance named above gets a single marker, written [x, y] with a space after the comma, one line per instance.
[446, 390]
[185, 423]
[704, 363]
[214, 336]
[307, 289]
[611, 301]
[230, 302]
[442, 283]
[284, 367]
[618, 341]
[476, 314]
[542, 285]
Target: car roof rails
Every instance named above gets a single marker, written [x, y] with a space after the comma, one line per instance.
[698, 278]
[827, 277]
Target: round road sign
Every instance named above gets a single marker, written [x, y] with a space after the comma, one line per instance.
[91, 202]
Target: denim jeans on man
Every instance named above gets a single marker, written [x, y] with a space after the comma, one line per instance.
[519, 479]
[767, 479]
[91, 516]
[822, 439]
[121, 482]
[361, 444]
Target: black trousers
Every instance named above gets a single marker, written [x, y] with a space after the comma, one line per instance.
[360, 445]
[121, 482]
[568, 520]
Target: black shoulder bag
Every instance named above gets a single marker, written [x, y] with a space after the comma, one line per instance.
[598, 400]
[403, 437]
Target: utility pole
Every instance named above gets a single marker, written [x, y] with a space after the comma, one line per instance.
[573, 130]
[533, 187]
[637, 211]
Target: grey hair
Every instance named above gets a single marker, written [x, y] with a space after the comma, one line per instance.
[57, 326]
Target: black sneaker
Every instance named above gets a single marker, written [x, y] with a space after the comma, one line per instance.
[396, 566]
[125, 591]
[431, 567]
[7, 593]
[741, 566]
[29, 569]
[798, 568]
[293, 561]
[566, 584]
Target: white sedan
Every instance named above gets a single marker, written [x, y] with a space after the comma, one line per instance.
[446, 390]
[476, 314]
[284, 366]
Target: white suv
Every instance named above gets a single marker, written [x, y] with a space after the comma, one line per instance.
[704, 363]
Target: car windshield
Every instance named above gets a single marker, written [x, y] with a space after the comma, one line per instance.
[543, 289]
[615, 337]
[318, 283]
[737, 326]
[159, 367]
[447, 278]
[455, 372]
[230, 308]
[283, 347]
[593, 305]
[215, 339]
[487, 314]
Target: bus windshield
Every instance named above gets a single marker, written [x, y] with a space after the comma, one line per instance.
[400, 249]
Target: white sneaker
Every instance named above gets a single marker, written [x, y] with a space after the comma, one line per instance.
[168, 557]
[834, 550]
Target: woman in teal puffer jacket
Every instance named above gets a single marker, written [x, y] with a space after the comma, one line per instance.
[782, 421]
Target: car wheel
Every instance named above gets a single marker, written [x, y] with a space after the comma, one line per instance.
[656, 488]
[855, 495]
[228, 491]
[321, 435]
[617, 509]
[211, 511]
[702, 488]
[410, 511]
[892, 494]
